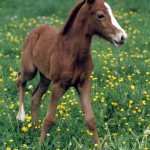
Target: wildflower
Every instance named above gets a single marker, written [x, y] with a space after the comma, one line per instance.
[58, 129]
[121, 79]
[24, 145]
[56, 20]
[132, 87]
[24, 129]
[105, 144]
[29, 125]
[145, 92]
[144, 102]
[1, 54]
[124, 142]
[1, 80]
[30, 87]
[103, 100]
[8, 148]
[126, 123]
[122, 109]
[5, 89]
[89, 133]
[28, 118]
[11, 140]
[114, 134]
[67, 129]
[134, 111]
[129, 129]
[96, 145]
[114, 104]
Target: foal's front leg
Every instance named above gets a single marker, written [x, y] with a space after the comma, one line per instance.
[84, 91]
[57, 92]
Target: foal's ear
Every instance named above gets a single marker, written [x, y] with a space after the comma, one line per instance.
[90, 1]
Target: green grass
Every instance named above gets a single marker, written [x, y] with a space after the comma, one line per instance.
[120, 81]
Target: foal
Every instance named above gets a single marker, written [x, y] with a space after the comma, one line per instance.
[64, 58]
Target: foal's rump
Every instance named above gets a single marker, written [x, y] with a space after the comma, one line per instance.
[37, 48]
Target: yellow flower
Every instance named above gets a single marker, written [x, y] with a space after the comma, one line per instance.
[144, 102]
[103, 100]
[122, 109]
[28, 118]
[8, 148]
[129, 129]
[114, 134]
[114, 104]
[134, 111]
[1, 80]
[89, 133]
[145, 148]
[1, 54]
[58, 129]
[124, 142]
[24, 129]
[132, 87]
[25, 145]
[11, 140]
[96, 145]
[56, 20]
[29, 125]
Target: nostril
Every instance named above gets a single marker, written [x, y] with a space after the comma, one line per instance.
[122, 38]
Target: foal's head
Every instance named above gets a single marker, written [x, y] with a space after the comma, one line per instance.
[101, 21]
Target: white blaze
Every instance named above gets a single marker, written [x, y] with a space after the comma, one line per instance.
[114, 21]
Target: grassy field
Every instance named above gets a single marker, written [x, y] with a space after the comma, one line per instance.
[120, 81]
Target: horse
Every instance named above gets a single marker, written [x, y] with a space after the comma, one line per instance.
[63, 57]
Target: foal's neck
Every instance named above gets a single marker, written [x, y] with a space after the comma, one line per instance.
[78, 33]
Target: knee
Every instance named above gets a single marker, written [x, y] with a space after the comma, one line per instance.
[20, 82]
[91, 124]
[48, 123]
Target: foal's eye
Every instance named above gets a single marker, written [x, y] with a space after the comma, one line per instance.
[100, 15]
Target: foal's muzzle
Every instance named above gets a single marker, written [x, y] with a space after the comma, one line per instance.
[119, 39]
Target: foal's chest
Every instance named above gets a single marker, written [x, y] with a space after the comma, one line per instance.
[80, 70]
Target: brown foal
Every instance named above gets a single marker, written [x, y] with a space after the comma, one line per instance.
[64, 58]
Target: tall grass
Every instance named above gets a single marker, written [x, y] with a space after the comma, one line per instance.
[120, 81]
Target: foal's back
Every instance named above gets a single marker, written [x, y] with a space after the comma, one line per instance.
[38, 48]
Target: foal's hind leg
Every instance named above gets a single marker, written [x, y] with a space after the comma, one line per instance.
[37, 97]
[23, 77]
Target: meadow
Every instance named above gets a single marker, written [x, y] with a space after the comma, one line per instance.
[120, 81]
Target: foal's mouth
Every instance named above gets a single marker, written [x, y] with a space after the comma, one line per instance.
[117, 43]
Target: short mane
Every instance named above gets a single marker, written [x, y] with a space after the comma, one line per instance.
[72, 17]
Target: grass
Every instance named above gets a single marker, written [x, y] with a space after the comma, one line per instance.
[120, 81]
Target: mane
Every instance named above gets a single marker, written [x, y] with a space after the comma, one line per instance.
[72, 17]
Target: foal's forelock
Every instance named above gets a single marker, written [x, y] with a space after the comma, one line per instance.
[114, 21]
